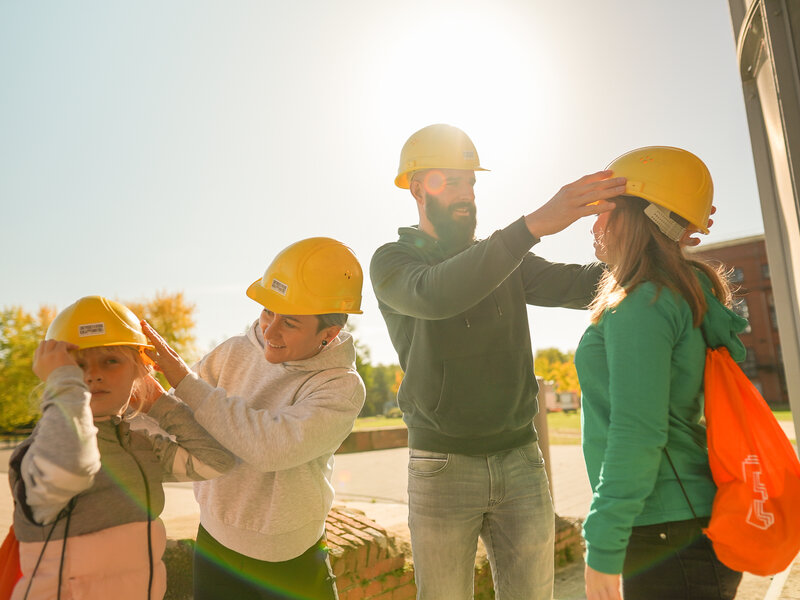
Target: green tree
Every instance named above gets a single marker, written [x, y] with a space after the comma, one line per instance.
[20, 334]
[558, 367]
[380, 381]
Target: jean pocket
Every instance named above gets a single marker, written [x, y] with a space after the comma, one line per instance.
[672, 535]
[532, 455]
[425, 463]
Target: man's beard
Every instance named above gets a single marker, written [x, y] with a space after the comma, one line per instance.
[453, 232]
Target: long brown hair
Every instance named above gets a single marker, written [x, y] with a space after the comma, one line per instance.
[640, 253]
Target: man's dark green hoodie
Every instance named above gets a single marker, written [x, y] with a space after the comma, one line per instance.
[457, 318]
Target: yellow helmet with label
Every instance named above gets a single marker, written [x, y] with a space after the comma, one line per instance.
[94, 321]
[436, 147]
[672, 178]
[314, 276]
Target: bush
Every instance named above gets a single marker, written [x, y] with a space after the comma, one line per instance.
[395, 413]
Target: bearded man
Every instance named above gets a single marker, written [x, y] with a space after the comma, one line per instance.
[456, 312]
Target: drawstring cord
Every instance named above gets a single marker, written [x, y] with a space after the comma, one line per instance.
[67, 510]
[149, 511]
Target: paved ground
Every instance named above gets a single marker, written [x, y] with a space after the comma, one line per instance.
[375, 482]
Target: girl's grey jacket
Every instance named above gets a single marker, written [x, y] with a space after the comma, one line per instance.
[283, 422]
[115, 539]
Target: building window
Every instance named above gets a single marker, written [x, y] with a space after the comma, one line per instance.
[740, 308]
[737, 275]
[765, 271]
[749, 364]
[773, 316]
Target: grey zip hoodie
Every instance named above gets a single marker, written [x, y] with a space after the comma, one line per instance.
[283, 422]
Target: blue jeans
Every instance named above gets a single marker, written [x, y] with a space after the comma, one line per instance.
[504, 498]
[675, 561]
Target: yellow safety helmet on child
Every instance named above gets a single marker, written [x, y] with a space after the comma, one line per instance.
[671, 178]
[94, 321]
[436, 147]
[314, 276]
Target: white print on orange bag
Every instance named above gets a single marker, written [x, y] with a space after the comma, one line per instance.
[757, 516]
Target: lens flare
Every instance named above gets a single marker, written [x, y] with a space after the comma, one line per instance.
[434, 182]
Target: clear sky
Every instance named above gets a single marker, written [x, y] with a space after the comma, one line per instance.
[180, 145]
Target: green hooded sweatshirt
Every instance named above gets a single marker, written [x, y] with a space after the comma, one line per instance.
[641, 374]
[458, 320]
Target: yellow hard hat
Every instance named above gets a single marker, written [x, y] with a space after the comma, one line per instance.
[95, 321]
[436, 147]
[315, 276]
[669, 177]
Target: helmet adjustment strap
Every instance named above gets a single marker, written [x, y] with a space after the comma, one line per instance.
[664, 220]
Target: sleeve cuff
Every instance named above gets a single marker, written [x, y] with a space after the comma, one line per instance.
[518, 239]
[605, 561]
[58, 374]
[192, 390]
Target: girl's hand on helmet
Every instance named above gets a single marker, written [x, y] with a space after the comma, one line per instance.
[166, 359]
[51, 355]
[601, 586]
[146, 392]
[688, 240]
[588, 195]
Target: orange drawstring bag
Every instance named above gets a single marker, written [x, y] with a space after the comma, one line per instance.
[755, 519]
[10, 572]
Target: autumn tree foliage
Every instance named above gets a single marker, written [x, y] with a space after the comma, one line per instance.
[559, 367]
[172, 316]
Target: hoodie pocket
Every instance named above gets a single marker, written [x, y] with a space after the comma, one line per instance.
[485, 395]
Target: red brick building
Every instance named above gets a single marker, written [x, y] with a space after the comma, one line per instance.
[747, 260]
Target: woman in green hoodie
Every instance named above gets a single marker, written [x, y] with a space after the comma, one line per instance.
[640, 365]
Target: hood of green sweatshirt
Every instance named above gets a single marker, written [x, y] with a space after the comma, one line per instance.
[721, 326]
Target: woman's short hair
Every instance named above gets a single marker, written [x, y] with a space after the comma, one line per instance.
[331, 320]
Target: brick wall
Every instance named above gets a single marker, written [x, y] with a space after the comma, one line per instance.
[365, 559]
[383, 438]
[369, 563]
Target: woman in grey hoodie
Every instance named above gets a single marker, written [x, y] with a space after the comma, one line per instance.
[282, 398]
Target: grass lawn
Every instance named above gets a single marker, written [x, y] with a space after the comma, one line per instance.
[379, 421]
[564, 428]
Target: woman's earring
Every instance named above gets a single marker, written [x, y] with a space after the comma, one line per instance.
[324, 342]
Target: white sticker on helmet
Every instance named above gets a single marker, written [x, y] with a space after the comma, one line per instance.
[89, 329]
[279, 286]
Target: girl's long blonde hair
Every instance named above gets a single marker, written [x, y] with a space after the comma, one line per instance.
[640, 253]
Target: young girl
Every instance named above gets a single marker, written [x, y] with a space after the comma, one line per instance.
[87, 489]
[640, 365]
